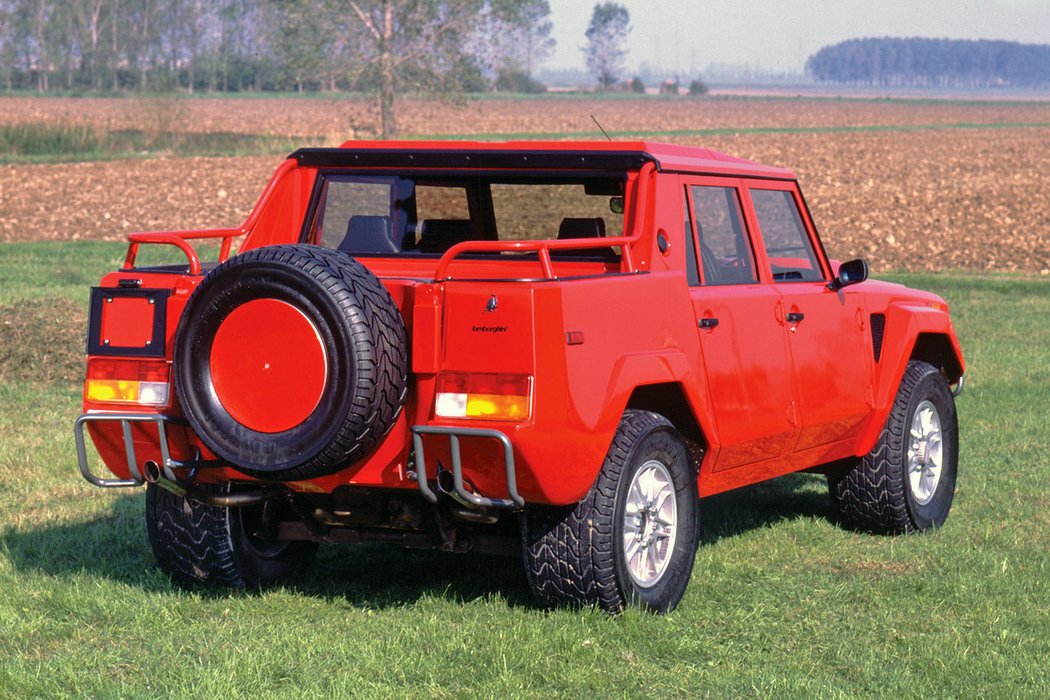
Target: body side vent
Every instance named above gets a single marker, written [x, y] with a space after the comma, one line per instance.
[878, 331]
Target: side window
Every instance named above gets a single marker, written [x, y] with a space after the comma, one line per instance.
[441, 202]
[725, 253]
[538, 210]
[788, 246]
[353, 213]
[692, 273]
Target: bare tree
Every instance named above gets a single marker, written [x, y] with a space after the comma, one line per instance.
[388, 46]
[514, 35]
[422, 41]
[39, 27]
[606, 39]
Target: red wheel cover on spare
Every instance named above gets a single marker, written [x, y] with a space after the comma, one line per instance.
[290, 361]
[268, 365]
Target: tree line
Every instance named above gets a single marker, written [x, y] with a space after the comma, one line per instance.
[263, 45]
[919, 62]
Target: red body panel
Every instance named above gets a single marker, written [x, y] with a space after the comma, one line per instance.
[766, 395]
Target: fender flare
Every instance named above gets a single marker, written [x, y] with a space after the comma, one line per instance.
[906, 324]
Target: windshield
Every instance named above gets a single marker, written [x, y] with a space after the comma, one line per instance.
[388, 215]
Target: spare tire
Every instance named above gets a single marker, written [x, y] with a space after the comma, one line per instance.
[291, 361]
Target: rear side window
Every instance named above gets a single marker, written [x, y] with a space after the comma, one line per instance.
[355, 214]
[531, 211]
[725, 253]
[788, 246]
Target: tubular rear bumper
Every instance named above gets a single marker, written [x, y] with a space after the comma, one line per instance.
[168, 462]
[126, 419]
[454, 434]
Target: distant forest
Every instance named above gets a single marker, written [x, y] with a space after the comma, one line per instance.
[264, 45]
[932, 63]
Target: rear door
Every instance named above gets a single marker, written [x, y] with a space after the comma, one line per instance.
[830, 351]
[744, 347]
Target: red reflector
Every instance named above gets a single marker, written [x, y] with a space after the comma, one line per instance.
[128, 370]
[574, 337]
[482, 383]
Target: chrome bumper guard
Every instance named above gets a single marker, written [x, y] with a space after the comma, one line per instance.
[454, 435]
[126, 419]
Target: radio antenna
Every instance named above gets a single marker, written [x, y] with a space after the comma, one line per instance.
[600, 127]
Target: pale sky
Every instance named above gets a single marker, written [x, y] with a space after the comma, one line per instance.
[778, 35]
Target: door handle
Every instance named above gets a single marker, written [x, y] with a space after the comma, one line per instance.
[795, 317]
[708, 323]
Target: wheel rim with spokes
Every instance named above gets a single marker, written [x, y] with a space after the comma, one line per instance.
[649, 523]
[925, 452]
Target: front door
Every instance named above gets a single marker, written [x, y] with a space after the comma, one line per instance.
[830, 350]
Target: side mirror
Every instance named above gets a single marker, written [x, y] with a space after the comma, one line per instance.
[851, 272]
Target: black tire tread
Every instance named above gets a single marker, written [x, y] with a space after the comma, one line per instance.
[569, 551]
[872, 494]
[190, 541]
[198, 545]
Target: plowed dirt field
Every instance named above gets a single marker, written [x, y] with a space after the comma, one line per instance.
[345, 118]
[910, 186]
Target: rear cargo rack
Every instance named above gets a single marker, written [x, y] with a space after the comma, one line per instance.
[454, 434]
[181, 239]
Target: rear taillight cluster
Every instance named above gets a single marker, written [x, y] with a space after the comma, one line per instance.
[132, 382]
[506, 397]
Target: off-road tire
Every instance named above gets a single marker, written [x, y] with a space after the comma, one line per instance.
[575, 555]
[875, 493]
[366, 351]
[198, 545]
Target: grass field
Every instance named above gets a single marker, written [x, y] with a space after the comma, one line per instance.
[783, 602]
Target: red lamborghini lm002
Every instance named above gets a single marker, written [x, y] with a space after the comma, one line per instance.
[550, 350]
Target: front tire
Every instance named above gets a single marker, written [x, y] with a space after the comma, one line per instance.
[632, 539]
[907, 482]
[201, 545]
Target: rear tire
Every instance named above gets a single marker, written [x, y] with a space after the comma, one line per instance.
[907, 482]
[632, 539]
[201, 545]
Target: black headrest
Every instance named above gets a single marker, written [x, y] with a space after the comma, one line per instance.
[368, 234]
[439, 235]
[581, 228]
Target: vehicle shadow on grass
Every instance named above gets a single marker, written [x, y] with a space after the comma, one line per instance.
[115, 546]
[111, 545]
[754, 507]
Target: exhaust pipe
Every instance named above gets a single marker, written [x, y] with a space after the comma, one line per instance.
[446, 484]
[153, 474]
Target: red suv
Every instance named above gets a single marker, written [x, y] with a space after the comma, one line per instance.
[552, 350]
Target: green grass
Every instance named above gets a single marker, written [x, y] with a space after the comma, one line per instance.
[783, 601]
[60, 143]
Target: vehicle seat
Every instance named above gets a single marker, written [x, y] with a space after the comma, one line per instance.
[576, 228]
[438, 235]
[368, 234]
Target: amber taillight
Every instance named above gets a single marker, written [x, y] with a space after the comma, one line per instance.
[506, 397]
[128, 382]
